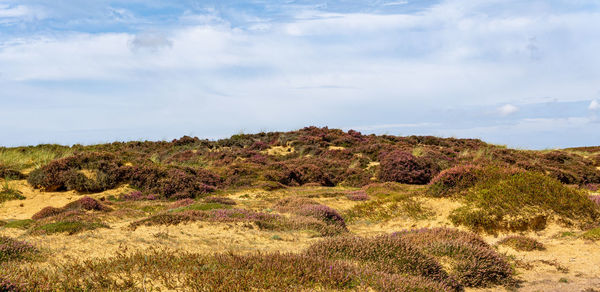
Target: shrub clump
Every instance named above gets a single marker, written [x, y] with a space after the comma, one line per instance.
[11, 249]
[85, 204]
[82, 172]
[522, 243]
[390, 254]
[523, 201]
[160, 269]
[309, 208]
[456, 178]
[403, 167]
[471, 260]
[137, 196]
[9, 173]
[592, 234]
[220, 200]
[215, 215]
[357, 196]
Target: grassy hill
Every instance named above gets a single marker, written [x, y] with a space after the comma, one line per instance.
[312, 209]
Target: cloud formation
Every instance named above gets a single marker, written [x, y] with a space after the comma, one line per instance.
[156, 69]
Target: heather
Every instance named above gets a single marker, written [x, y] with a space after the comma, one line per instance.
[521, 243]
[12, 249]
[156, 269]
[471, 261]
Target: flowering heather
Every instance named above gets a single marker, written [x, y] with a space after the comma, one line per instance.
[522, 243]
[323, 213]
[85, 203]
[11, 249]
[403, 167]
[455, 178]
[221, 272]
[46, 212]
[390, 254]
[474, 262]
[220, 200]
[9, 286]
[182, 203]
[306, 207]
[137, 196]
[357, 196]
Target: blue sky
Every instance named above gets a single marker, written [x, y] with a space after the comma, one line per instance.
[521, 73]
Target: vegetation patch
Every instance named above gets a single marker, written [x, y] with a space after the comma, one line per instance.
[153, 270]
[83, 204]
[390, 201]
[522, 243]
[592, 234]
[69, 227]
[465, 256]
[384, 253]
[12, 249]
[523, 201]
[19, 224]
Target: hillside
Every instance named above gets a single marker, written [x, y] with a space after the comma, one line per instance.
[312, 209]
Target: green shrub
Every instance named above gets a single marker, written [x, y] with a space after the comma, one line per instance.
[19, 224]
[69, 227]
[592, 234]
[523, 201]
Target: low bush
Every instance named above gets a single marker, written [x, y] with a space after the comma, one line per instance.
[215, 215]
[309, 208]
[468, 258]
[220, 200]
[357, 196]
[403, 167]
[385, 253]
[137, 196]
[69, 227]
[85, 204]
[155, 270]
[9, 173]
[12, 249]
[592, 234]
[523, 201]
[522, 243]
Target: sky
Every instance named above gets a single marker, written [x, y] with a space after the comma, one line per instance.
[520, 73]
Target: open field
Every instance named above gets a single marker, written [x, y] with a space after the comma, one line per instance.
[314, 209]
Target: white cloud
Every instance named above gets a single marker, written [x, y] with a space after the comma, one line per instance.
[594, 105]
[507, 109]
[455, 54]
